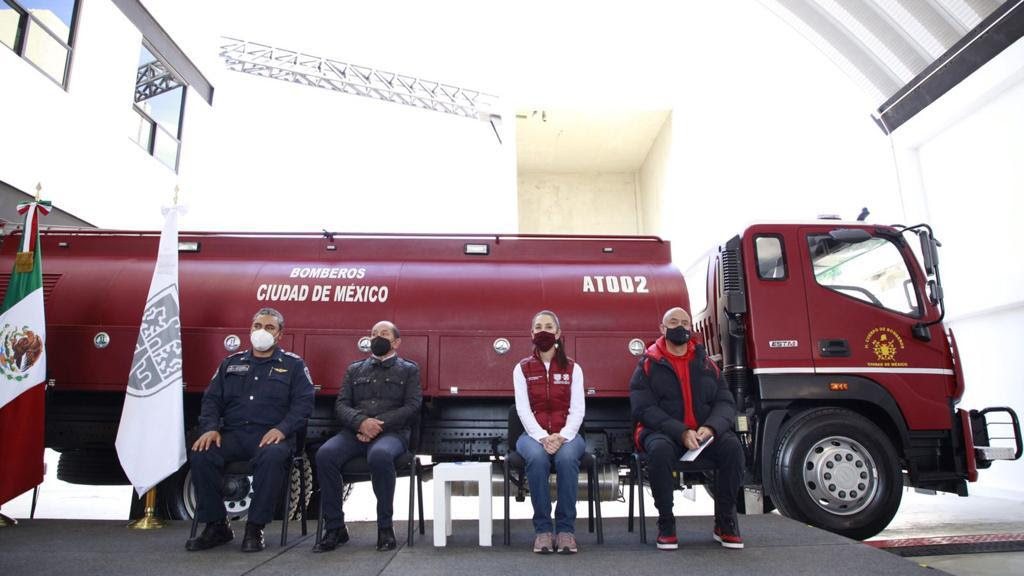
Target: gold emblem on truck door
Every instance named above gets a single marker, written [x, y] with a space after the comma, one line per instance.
[885, 344]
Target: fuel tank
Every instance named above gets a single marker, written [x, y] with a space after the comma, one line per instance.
[463, 304]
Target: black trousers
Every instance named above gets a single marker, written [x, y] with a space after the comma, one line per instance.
[270, 466]
[725, 452]
[380, 454]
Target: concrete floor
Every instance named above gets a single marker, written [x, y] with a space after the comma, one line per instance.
[919, 516]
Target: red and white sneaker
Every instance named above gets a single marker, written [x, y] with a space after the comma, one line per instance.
[667, 536]
[727, 533]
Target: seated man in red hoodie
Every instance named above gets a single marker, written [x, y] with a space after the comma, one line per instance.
[679, 401]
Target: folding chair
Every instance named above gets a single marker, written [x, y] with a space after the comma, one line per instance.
[636, 478]
[245, 468]
[515, 463]
[407, 464]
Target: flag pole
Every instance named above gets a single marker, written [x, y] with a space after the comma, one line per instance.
[149, 521]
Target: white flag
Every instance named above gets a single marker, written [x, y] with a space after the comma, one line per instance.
[151, 437]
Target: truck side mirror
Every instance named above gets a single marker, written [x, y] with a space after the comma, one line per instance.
[929, 252]
[934, 291]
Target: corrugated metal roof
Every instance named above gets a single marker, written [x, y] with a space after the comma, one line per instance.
[884, 44]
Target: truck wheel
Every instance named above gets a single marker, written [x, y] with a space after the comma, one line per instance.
[177, 496]
[836, 470]
[91, 468]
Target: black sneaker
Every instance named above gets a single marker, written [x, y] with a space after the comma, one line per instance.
[727, 533]
[331, 539]
[667, 534]
[253, 540]
[214, 534]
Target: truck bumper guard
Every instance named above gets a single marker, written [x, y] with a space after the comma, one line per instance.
[984, 432]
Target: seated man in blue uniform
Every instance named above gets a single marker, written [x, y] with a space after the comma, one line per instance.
[377, 407]
[251, 410]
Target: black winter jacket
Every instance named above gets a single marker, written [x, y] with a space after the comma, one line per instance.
[656, 398]
[388, 391]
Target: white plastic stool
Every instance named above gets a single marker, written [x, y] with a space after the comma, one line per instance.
[479, 472]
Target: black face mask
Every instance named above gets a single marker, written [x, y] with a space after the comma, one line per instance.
[380, 346]
[677, 335]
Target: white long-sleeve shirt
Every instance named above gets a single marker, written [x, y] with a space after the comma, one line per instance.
[577, 405]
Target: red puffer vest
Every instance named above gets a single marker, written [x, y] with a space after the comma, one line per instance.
[549, 392]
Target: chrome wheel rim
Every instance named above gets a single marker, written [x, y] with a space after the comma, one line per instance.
[840, 475]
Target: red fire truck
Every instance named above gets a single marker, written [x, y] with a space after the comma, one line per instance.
[829, 335]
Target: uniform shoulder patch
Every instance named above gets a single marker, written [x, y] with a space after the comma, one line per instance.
[410, 363]
[239, 353]
[293, 355]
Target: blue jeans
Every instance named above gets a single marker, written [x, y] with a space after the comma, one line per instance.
[380, 454]
[567, 471]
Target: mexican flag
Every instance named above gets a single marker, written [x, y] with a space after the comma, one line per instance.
[23, 363]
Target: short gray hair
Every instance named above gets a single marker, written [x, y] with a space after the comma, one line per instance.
[270, 312]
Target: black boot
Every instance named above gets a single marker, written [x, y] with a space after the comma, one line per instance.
[386, 539]
[331, 539]
[253, 541]
[214, 534]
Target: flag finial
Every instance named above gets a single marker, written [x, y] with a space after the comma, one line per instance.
[39, 190]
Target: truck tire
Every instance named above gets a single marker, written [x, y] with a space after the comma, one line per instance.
[176, 496]
[294, 488]
[834, 469]
[91, 468]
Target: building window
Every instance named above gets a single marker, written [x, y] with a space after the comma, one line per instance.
[41, 32]
[160, 107]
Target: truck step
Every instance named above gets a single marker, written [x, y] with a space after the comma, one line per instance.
[995, 453]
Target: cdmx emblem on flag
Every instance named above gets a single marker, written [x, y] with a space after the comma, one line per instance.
[157, 361]
[20, 348]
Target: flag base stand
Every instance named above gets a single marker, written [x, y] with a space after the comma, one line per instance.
[149, 520]
[6, 521]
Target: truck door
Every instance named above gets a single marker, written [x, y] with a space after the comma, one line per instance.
[862, 301]
[779, 338]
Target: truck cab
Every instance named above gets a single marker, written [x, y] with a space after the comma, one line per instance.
[830, 336]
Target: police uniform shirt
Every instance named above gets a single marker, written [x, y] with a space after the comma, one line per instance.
[274, 392]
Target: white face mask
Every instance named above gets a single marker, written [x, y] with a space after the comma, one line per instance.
[261, 340]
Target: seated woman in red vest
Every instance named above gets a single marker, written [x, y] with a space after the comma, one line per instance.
[549, 400]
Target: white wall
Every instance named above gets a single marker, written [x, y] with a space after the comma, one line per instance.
[578, 203]
[654, 179]
[76, 142]
[961, 159]
[267, 155]
[280, 156]
[792, 140]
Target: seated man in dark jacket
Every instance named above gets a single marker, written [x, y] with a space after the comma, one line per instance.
[679, 402]
[377, 405]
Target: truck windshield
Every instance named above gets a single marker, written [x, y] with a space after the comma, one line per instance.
[873, 271]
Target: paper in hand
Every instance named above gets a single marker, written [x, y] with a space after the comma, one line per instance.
[691, 455]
